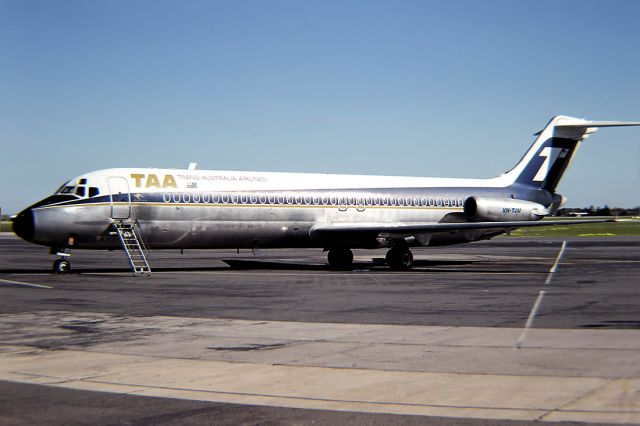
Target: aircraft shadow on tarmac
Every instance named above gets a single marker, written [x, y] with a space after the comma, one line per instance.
[623, 324]
[376, 265]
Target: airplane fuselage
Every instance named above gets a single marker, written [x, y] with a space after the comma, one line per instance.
[198, 209]
[220, 209]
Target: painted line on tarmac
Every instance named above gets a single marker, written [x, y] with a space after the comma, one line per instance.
[538, 302]
[23, 284]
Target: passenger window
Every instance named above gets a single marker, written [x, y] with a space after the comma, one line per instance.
[93, 191]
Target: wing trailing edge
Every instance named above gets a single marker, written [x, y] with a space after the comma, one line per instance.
[407, 229]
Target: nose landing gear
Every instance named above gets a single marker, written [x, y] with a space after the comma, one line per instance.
[61, 265]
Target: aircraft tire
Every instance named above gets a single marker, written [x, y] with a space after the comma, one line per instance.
[399, 259]
[340, 258]
[61, 266]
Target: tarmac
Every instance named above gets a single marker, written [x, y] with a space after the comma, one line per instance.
[216, 336]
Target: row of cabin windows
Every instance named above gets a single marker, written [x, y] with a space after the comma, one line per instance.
[311, 200]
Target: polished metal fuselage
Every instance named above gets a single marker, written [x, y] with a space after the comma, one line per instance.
[257, 219]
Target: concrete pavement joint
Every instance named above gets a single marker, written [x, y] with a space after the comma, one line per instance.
[585, 395]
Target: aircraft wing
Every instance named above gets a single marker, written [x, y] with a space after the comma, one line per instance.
[408, 229]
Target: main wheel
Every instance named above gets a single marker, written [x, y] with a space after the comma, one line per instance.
[61, 266]
[340, 258]
[400, 259]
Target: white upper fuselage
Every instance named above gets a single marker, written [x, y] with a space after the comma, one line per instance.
[153, 180]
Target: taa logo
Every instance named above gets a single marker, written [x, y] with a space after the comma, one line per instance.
[152, 181]
[550, 156]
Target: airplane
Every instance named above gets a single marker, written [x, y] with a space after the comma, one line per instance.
[206, 209]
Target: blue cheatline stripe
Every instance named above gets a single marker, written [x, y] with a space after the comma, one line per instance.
[282, 199]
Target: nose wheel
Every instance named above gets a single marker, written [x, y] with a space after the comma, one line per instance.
[62, 264]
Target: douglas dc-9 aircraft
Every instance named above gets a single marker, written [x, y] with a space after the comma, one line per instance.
[135, 209]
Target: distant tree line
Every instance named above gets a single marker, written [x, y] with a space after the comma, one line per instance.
[599, 211]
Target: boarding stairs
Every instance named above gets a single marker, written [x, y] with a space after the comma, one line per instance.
[133, 245]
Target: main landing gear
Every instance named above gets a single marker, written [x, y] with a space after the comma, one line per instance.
[398, 258]
[340, 258]
[62, 264]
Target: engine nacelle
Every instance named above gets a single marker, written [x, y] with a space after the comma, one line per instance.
[488, 209]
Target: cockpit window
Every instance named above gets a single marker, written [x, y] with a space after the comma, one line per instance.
[81, 190]
[59, 190]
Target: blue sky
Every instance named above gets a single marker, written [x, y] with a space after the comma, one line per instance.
[414, 88]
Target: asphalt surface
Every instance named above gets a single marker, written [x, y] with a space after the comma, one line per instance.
[488, 284]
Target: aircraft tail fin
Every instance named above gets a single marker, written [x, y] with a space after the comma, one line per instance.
[545, 162]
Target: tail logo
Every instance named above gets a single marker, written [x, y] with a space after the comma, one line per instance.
[551, 155]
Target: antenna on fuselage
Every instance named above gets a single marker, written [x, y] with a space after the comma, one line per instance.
[192, 166]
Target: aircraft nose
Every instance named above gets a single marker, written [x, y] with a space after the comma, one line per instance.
[23, 225]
